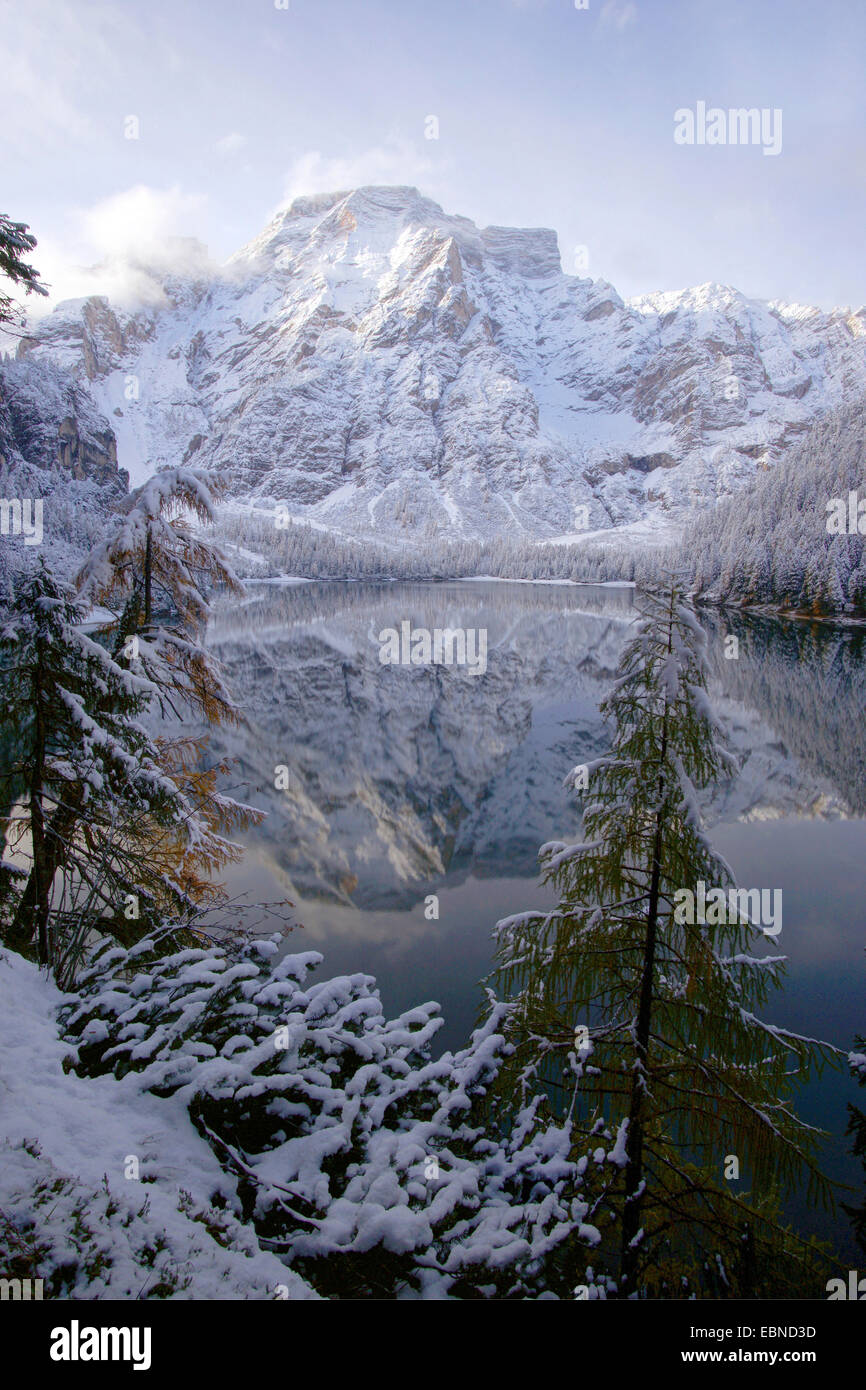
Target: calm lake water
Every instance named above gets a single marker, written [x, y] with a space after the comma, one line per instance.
[409, 781]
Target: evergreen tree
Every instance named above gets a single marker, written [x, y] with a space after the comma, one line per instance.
[154, 569]
[16, 241]
[771, 544]
[674, 1066]
[96, 802]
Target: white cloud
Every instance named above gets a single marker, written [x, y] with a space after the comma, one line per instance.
[50, 55]
[399, 161]
[35, 109]
[230, 144]
[122, 245]
[139, 220]
[617, 14]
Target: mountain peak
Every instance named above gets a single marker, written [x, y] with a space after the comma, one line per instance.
[368, 200]
[383, 367]
[378, 212]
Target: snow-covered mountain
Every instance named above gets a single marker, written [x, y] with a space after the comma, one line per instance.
[383, 368]
[49, 421]
[399, 776]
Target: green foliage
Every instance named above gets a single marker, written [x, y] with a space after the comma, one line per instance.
[16, 241]
[91, 787]
[674, 1061]
[370, 1168]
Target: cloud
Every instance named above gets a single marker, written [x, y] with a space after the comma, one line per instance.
[230, 144]
[617, 14]
[36, 109]
[123, 246]
[137, 221]
[50, 55]
[398, 161]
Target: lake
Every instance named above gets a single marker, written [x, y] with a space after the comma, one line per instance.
[399, 782]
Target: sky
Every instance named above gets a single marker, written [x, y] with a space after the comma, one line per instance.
[127, 124]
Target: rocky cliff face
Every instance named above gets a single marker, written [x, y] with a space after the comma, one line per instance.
[397, 776]
[383, 368]
[49, 422]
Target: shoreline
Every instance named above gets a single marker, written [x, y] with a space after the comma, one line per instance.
[766, 610]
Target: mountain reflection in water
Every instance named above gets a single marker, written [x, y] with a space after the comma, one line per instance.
[410, 781]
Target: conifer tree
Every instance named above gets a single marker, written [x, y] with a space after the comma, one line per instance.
[96, 799]
[669, 1058]
[154, 569]
[16, 241]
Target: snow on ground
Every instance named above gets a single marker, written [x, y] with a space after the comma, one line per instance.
[649, 531]
[85, 1131]
[569, 583]
[243, 553]
[283, 579]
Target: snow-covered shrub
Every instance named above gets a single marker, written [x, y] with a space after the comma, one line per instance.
[370, 1168]
[103, 1242]
[108, 1192]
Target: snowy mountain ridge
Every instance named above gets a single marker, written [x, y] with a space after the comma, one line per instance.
[400, 776]
[381, 368]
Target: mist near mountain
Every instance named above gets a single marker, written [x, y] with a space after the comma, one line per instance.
[377, 367]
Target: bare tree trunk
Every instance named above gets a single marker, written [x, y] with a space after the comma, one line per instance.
[54, 844]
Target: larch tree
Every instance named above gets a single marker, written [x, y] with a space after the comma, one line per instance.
[641, 1016]
[99, 816]
[154, 570]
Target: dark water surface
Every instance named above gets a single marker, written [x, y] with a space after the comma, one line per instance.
[406, 781]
